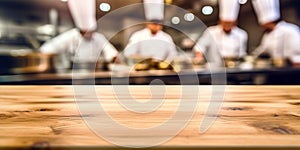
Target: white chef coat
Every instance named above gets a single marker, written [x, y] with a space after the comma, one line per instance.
[159, 46]
[282, 42]
[215, 43]
[80, 49]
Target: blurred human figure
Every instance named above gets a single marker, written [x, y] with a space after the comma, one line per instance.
[224, 40]
[281, 39]
[151, 41]
[83, 44]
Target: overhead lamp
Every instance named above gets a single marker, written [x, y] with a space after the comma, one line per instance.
[243, 1]
[207, 10]
[189, 17]
[175, 20]
[105, 7]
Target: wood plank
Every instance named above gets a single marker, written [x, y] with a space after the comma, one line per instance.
[250, 116]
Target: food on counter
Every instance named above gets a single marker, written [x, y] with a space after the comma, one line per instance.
[152, 64]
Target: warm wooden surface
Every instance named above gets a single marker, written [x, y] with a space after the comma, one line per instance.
[250, 116]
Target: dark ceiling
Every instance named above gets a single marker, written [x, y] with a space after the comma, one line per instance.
[20, 11]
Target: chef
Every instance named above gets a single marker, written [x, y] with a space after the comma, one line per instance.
[281, 39]
[225, 39]
[83, 44]
[151, 41]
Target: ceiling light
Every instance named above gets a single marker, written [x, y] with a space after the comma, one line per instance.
[189, 17]
[243, 1]
[175, 20]
[207, 10]
[105, 7]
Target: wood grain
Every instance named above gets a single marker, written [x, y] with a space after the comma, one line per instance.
[250, 116]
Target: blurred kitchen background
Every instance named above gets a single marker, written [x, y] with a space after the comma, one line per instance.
[26, 24]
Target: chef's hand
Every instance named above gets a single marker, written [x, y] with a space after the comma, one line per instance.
[116, 60]
[199, 59]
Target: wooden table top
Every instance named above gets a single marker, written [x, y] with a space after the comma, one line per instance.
[250, 116]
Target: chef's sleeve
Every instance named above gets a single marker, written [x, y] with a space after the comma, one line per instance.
[203, 43]
[172, 50]
[132, 46]
[109, 51]
[293, 43]
[262, 47]
[59, 43]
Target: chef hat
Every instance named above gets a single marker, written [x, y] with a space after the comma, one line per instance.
[154, 10]
[83, 13]
[266, 10]
[229, 9]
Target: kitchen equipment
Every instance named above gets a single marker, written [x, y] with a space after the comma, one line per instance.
[248, 63]
[26, 61]
[262, 63]
[119, 67]
[90, 66]
[279, 62]
[295, 61]
[184, 61]
[231, 62]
